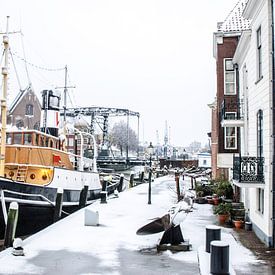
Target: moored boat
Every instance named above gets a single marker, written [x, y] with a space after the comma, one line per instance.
[34, 165]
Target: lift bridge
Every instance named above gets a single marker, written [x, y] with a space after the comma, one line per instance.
[103, 114]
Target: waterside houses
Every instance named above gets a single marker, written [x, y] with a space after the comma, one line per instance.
[250, 111]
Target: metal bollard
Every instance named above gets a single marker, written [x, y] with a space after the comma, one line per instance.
[83, 196]
[213, 233]
[132, 180]
[141, 177]
[219, 258]
[120, 185]
[103, 196]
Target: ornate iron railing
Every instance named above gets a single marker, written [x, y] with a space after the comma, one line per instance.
[231, 109]
[248, 169]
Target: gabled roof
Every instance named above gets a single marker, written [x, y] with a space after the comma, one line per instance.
[235, 22]
[19, 97]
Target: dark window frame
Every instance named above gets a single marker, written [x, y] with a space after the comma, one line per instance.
[259, 54]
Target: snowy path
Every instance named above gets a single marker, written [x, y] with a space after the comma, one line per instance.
[69, 247]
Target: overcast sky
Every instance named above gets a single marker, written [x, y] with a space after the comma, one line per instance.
[150, 56]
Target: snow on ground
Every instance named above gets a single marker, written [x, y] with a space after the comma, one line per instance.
[71, 243]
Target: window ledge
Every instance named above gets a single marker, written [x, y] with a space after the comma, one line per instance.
[259, 80]
[259, 213]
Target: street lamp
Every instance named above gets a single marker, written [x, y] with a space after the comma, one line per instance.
[150, 152]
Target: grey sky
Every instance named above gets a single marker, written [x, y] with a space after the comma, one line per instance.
[150, 56]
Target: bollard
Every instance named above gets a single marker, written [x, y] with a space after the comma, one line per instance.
[192, 184]
[219, 258]
[83, 196]
[120, 185]
[248, 226]
[11, 224]
[213, 233]
[177, 179]
[58, 204]
[149, 187]
[18, 247]
[132, 180]
[103, 196]
[141, 177]
[104, 185]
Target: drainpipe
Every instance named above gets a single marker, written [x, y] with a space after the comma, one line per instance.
[273, 126]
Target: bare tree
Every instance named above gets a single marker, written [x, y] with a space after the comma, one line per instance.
[118, 137]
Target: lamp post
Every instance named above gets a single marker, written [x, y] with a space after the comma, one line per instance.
[150, 151]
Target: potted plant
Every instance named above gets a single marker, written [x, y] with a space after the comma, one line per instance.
[223, 211]
[216, 199]
[238, 223]
[200, 198]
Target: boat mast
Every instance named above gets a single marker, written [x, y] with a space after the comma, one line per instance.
[65, 94]
[4, 102]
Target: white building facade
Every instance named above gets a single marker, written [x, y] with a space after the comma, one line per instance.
[253, 171]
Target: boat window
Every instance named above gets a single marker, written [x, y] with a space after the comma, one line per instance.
[9, 138]
[54, 102]
[17, 138]
[27, 138]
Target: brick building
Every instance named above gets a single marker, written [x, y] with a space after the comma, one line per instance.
[25, 110]
[225, 109]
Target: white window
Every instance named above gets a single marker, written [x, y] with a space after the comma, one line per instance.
[260, 200]
[230, 137]
[229, 77]
[230, 133]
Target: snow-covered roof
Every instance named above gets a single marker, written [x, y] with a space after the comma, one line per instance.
[235, 21]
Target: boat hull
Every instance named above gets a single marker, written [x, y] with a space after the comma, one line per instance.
[36, 204]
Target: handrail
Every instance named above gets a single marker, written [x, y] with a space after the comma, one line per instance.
[30, 195]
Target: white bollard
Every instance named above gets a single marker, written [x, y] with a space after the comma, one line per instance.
[91, 217]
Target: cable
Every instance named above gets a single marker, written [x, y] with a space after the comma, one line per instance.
[36, 66]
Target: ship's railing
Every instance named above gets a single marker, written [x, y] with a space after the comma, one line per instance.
[248, 169]
[43, 198]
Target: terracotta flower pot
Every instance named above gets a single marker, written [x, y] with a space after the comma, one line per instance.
[223, 218]
[238, 224]
[216, 201]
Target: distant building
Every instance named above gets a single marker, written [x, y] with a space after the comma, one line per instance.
[204, 160]
[25, 110]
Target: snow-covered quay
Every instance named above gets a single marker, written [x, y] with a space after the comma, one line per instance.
[70, 247]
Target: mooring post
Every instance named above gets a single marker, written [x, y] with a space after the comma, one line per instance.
[83, 196]
[177, 179]
[192, 183]
[104, 193]
[11, 224]
[132, 180]
[149, 186]
[219, 258]
[120, 185]
[141, 177]
[213, 233]
[58, 204]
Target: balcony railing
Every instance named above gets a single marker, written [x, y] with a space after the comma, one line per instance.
[248, 169]
[231, 109]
